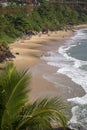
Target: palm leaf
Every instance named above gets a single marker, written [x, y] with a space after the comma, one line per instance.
[17, 113]
[14, 87]
[43, 112]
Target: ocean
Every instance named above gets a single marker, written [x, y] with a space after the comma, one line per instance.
[71, 60]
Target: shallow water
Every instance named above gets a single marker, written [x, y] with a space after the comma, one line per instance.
[71, 60]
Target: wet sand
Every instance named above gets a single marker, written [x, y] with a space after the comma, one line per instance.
[60, 86]
[28, 53]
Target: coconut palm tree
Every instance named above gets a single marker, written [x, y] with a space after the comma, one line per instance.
[16, 113]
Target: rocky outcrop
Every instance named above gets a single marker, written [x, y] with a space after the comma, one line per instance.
[5, 53]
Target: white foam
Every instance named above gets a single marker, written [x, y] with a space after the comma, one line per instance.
[74, 118]
[72, 70]
[77, 75]
[79, 35]
[79, 100]
[71, 67]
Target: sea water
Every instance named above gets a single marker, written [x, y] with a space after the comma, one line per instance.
[71, 60]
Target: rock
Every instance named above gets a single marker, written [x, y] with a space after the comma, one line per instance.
[4, 55]
[17, 53]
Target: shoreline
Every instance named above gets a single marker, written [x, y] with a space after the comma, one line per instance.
[32, 49]
[28, 55]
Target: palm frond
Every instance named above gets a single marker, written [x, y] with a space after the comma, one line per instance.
[17, 113]
[14, 86]
[46, 110]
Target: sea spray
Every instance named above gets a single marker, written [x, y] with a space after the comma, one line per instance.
[77, 54]
[71, 60]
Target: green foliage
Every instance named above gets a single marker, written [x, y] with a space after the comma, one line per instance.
[13, 91]
[20, 19]
[13, 85]
[16, 113]
[41, 113]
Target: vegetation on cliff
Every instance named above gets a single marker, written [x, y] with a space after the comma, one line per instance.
[17, 20]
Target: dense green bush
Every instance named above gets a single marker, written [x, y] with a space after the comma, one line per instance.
[19, 20]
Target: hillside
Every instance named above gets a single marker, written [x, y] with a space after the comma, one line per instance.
[18, 20]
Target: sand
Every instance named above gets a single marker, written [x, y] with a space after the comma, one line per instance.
[28, 53]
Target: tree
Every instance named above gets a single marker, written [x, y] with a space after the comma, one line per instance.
[16, 113]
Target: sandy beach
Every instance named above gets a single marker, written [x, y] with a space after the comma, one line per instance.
[28, 53]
